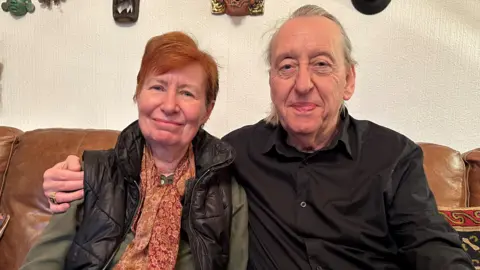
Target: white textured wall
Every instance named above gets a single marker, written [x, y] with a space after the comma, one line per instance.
[72, 66]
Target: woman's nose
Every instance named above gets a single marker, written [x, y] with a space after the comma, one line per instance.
[169, 104]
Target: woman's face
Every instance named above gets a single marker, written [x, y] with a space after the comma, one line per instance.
[172, 106]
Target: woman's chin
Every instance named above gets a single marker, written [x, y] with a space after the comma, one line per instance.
[165, 138]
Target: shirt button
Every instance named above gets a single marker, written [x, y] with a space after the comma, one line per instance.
[303, 204]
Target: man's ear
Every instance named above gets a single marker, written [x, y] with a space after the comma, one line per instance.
[350, 83]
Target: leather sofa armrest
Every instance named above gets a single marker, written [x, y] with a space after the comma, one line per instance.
[472, 159]
[446, 175]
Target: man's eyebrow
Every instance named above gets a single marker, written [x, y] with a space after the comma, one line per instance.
[322, 53]
[284, 55]
[289, 54]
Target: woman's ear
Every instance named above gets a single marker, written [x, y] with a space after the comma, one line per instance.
[208, 112]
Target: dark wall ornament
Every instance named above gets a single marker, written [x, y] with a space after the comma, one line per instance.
[126, 11]
[18, 7]
[370, 7]
[238, 7]
[50, 3]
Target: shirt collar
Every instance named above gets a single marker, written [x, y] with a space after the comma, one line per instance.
[277, 139]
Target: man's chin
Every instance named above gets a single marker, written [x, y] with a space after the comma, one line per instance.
[301, 129]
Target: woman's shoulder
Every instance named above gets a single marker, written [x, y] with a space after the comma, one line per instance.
[210, 150]
[97, 163]
[95, 157]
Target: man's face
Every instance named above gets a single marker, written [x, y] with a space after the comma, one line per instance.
[309, 79]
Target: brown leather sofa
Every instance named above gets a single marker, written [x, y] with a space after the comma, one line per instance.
[24, 157]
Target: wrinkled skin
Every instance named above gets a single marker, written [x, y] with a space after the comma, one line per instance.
[309, 80]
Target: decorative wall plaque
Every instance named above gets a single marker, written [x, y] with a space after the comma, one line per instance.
[18, 7]
[50, 3]
[126, 11]
[238, 7]
[370, 7]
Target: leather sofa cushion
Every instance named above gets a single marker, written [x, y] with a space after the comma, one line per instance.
[473, 160]
[8, 139]
[23, 197]
[446, 175]
[7, 144]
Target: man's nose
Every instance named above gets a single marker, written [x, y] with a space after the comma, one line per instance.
[169, 104]
[303, 82]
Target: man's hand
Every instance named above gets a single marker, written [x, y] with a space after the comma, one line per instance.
[63, 183]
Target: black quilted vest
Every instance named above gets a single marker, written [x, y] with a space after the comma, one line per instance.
[111, 200]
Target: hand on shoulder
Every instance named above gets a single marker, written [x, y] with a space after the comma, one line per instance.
[63, 183]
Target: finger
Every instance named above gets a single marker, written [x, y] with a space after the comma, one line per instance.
[59, 165]
[67, 197]
[73, 163]
[66, 175]
[56, 174]
[61, 186]
[59, 208]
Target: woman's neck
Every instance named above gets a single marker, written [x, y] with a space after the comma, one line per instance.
[167, 158]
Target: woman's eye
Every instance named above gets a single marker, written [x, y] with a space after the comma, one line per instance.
[158, 87]
[186, 93]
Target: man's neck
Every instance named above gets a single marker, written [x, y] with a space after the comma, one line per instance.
[167, 158]
[315, 141]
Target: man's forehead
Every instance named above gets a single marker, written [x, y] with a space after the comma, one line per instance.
[314, 27]
[311, 35]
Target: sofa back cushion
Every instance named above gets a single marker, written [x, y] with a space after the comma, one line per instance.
[472, 158]
[8, 140]
[446, 175]
[23, 197]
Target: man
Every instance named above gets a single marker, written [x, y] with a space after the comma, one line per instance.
[325, 191]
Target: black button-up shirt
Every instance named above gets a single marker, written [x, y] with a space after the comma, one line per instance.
[361, 203]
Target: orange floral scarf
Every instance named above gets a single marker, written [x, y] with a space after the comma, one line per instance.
[157, 226]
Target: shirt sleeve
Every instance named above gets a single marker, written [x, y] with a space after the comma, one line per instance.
[239, 231]
[424, 238]
[51, 248]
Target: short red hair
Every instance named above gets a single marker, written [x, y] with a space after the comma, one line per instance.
[175, 50]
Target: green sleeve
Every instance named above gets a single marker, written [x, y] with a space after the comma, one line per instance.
[50, 250]
[239, 230]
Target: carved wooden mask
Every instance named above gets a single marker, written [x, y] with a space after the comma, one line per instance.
[125, 11]
[238, 7]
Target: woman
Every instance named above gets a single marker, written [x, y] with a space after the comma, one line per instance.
[162, 198]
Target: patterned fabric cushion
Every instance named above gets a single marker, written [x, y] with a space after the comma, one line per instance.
[466, 221]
